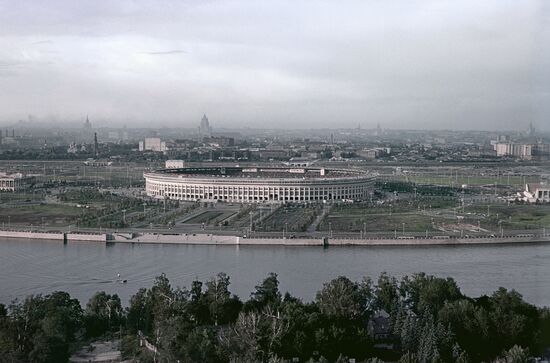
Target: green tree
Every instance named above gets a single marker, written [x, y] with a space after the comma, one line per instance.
[139, 315]
[471, 327]
[409, 333]
[45, 326]
[341, 298]
[223, 307]
[409, 357]
[267, 293]
[387, 291]
[103, 313]
[516, 354]
[513, 321]
[431, 292]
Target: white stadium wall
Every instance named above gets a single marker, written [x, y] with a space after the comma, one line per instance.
[258, 189]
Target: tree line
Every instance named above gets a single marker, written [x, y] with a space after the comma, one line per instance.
[418, 318]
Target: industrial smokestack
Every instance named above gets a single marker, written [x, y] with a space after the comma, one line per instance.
[96, 148]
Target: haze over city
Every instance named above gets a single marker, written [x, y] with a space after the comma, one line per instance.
[231, 181]
[427, 64]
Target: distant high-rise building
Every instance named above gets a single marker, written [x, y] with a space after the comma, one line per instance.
[205, 130]
[532, 131]
[520, 151]
[378, 131]
[152, 144]
[87, 124]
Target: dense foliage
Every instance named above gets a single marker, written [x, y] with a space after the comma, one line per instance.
[428, 320]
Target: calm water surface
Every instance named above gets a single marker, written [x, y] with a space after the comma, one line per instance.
[82, 268]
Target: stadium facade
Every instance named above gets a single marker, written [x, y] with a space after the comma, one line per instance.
[258, 184]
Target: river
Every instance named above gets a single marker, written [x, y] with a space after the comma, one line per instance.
[82, 268]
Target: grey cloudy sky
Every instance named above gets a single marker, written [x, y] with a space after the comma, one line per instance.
[406, 64]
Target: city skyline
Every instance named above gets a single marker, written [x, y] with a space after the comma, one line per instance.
[407, 65]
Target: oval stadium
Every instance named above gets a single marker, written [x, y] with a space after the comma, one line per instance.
[258, 184]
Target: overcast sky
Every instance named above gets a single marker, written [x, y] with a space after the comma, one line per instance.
[480, 64]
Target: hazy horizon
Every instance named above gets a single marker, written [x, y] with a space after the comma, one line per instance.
[465, 65]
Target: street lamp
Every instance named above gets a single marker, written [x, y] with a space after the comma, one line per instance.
[250, 213]
[403, 229]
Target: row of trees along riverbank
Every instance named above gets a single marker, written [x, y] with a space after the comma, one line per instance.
[416, 319]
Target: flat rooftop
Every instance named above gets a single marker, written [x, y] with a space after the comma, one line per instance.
[261, 172]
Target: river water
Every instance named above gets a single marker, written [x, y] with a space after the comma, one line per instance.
[82, 268]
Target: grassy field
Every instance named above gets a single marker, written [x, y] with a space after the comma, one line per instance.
[511, 216]
[48, 214]
[296, 218]
[414, 222]
[397, 206]
[206, 217]
[10, 196]
[241, 217]
[513, 180]
[354, 218]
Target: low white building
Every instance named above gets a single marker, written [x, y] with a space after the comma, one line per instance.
[12, 182]
[534, 193]
[95, 163]
[174, 164]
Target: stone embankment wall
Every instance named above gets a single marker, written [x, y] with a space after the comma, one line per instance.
[212, 239]
[32, 235]
[173, 238]
[281, 241]
[431, 241]
[96, 237]
[99, 237]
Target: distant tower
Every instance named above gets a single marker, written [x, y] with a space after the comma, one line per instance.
[87, 124]
[378, 130]
[205, 130]
[96, 148]
[532, 130]
[332, 139]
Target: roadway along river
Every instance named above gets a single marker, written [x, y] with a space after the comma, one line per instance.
[82, 268]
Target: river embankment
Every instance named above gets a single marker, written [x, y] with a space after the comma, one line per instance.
[215, 239]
